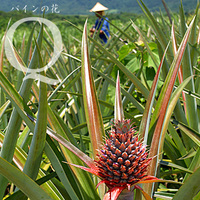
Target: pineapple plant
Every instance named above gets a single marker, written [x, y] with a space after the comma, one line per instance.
[122, 161]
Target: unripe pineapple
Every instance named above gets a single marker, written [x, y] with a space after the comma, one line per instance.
[122, 161]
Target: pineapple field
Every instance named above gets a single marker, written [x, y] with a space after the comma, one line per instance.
[82, 120]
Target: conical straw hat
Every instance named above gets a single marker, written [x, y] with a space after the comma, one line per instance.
[98, 7]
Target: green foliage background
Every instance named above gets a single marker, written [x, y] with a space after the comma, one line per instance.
[136, 47]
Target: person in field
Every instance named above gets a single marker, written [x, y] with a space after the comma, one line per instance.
[101, 22]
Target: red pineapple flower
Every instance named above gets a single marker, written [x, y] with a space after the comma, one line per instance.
[122, 162]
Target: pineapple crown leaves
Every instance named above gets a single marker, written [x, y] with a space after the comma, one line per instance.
[118, 109]
[121, 126]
